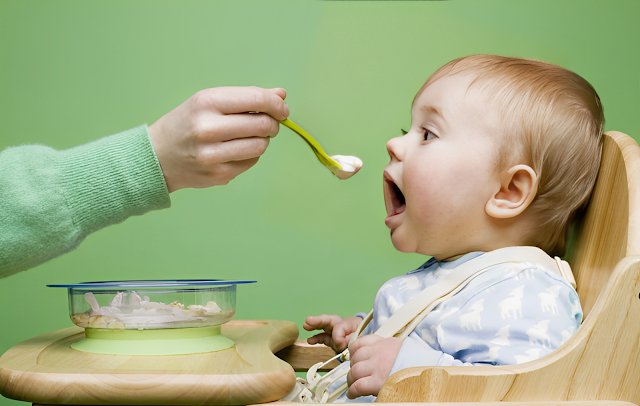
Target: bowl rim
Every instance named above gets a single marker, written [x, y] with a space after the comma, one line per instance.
[156, 283]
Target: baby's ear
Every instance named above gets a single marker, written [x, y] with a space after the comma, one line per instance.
[518, 188]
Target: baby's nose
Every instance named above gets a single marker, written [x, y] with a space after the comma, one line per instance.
[394, 147]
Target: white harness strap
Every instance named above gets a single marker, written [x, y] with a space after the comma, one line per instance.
[405, 319]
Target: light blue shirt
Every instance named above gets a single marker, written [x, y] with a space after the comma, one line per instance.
[513, 313]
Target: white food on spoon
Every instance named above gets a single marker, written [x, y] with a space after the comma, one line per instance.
[350, 165]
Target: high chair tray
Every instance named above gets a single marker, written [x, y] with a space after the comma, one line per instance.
[46, 370]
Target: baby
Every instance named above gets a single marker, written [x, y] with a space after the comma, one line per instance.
[502, 152]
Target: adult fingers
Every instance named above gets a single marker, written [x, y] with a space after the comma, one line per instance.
[220, 174]
[232, 100]
[234, 150]
[214, 128]
[280, 92]
[235, 168]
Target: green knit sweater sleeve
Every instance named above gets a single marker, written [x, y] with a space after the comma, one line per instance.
[51, 200]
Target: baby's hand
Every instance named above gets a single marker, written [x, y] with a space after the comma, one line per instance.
[337, 331]
[372, 358]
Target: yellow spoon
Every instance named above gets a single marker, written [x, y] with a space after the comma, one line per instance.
[325, 159]
[335, 167]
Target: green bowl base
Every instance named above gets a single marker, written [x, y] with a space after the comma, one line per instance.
[176, 341]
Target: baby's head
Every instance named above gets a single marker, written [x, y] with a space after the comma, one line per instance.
[501, 152]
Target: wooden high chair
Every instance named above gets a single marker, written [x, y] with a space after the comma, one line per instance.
[600, 363]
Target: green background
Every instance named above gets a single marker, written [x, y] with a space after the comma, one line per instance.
[74, 71]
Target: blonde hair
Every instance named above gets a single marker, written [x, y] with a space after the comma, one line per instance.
[552, 120]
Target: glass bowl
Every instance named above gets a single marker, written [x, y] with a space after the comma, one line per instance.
[152, 304]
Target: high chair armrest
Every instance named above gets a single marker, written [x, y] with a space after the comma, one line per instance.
[447, 384]
[302, 355]
[562, 403]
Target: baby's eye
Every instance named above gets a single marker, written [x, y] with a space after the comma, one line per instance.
[428, 135]
[404, 132]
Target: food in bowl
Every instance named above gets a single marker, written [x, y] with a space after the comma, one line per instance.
[141, 305]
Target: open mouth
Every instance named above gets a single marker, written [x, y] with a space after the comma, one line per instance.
[394, 199]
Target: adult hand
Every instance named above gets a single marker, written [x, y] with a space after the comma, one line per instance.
[337, 331]
[372, 358]
[216, 134]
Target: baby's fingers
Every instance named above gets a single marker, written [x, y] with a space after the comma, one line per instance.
[322, 338]
[324, 322]
[363, 387]
[341, 336]
[360, 381]
[341, 342]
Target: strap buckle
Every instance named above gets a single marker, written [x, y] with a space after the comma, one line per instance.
[565, 271]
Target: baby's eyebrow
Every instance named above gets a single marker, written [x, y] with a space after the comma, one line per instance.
[433, 110]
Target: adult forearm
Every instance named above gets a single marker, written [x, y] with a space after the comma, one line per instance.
[51, 200]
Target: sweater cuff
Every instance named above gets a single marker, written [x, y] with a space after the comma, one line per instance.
[108, 180]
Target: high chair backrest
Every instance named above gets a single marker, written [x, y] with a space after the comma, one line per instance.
[609, 229]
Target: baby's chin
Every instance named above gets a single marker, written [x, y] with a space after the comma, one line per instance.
[406, 245]
[399, 241]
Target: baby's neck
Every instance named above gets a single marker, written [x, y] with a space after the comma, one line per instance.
[452, 258]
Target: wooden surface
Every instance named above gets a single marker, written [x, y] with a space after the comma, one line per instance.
[302, 356]
[602, 359]
[45, 370]
[609, 230]
[567, 403]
